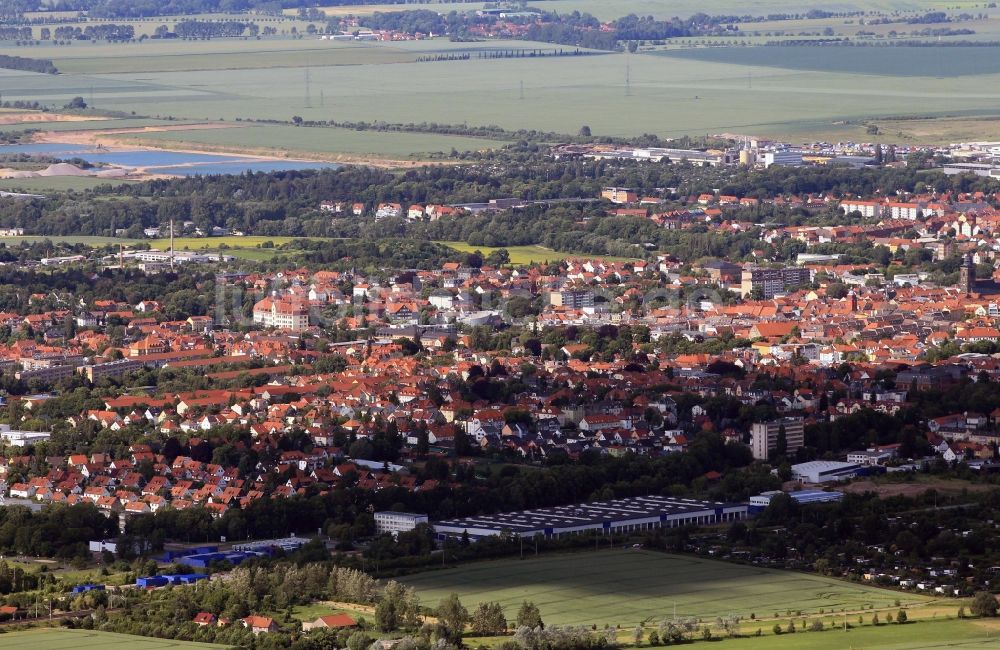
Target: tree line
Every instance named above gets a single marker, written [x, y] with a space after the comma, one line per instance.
[44, 66]
[99, 32]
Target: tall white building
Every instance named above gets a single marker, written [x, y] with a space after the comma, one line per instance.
[764, 436]
[397, 522]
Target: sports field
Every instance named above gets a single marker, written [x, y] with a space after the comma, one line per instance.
[61, 639]
[631, 586]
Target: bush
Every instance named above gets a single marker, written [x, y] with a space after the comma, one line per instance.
[984, 604]
[777, 628]
[901, 616]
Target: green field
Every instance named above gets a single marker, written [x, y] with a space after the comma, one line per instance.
[528, 254]
[87, 240]
[673, 90]
[893, 61]
[240, 247]
[745, 90]
[315, 140]
[611, 9]
[247, 248]
[629, 586]
[53, 639]
[55, 183]
[927, 635]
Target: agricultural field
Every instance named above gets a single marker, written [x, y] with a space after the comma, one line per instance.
[689, 91]
[627, 587]
[219, 54]
[526, 254]
[86, 240]
[214, 243]
[251, 248]
[787, 92]
[147, 26]
[42, 184]
[61, 639]
[925, 635]
[96, 124]
[312, 140]
[674, 94]
[611, 9]
[248, 248]
[882, 62]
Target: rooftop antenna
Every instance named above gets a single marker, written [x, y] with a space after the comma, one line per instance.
[308, 100]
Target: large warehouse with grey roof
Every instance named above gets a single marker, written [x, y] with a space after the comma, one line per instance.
[608, 517]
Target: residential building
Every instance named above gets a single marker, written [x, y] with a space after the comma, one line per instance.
[282, 313]
[572, 298]
[764, 436]
[772, 282]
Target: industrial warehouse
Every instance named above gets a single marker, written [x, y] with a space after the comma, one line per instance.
[609, 517]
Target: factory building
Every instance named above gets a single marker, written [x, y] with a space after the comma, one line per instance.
[615, 517]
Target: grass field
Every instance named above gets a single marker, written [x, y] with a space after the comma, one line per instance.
[611, 9]
[745, 90]
[929, 635]
[527, 254]
[247, 248]
[894, 61]
[58, 639]
[629, 586]
[55, 183]
[87, 240]
[242, 247]
[316, 140]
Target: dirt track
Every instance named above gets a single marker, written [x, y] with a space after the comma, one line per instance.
[34, 117]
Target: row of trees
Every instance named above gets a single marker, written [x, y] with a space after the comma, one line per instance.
[99, 31]
[44, 66]
[213, 29]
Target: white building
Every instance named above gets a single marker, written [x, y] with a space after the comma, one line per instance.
[821, 471]
[395, 523]
[782, 158]
[22, 438]
[282, 313]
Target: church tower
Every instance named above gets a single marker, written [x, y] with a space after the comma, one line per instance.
[967, 275]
